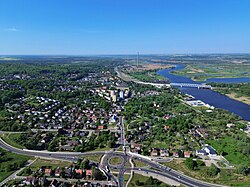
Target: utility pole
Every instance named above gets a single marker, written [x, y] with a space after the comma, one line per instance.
[137, 59]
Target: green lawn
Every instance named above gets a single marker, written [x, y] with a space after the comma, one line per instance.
[11, 139]
[147, 76]
[136, 177]
[101, 149]
[11, 162]
[115, 161]
[4, 175]
[142, 179]
[139, 164]
[229, 146]
[49, 163]
[225, 177]
[95, 158]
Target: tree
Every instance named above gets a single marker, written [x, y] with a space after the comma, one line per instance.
[8, 168]
[85, 164]
[213, 170]
[79, 161]
[190, 163]
[138, 183]
[200, 163]
[242, 169]
[97, 174]
[149, 181]
[111, 144]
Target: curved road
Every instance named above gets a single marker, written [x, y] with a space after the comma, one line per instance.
[72, 156]
[159, 169]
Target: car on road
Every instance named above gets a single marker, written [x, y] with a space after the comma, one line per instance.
[159, 158]
[107, 169]
[169, 169]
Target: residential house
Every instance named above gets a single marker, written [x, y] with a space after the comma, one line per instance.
[89, 173]
[68, 172]
[176, 154]
[166, 127]
[230, 125]
[210, 151]
[47, 172]
[101, 127]
[136, 148]
[164, 153]
[187, 154]
[154, 152]
[58, 172]
[201, 152]
[30, 180]
[79, 172]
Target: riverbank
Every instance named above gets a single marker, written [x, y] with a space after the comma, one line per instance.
[211, 97]
[239, 91]
[239, 98]
[215, 72]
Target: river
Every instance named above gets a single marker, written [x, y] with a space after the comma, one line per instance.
[209, 96]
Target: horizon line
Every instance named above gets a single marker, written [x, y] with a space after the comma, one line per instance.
[129, 54]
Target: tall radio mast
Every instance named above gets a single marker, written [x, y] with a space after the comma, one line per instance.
[137, 59]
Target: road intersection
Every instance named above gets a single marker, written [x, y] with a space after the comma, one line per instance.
[106, 167]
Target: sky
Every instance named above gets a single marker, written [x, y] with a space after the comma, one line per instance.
[89, 27]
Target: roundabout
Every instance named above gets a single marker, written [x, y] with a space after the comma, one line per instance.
[116, 161]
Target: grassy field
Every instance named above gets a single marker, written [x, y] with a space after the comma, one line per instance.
[126, 177]
[147, 76]
[102, 149]
[46, 163]
[225, 177]
[136, 177]
[201, 72]
[95, 158]
[142, 179]
[139, 164]
[11, 139]
[49, 163]
[7, 160]
[115, 161]
[229, 146]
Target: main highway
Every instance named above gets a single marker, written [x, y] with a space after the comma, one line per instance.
[157, 168]
[71, 156]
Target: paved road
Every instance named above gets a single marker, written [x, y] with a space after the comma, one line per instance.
[72, 156]
[162, 170]
[124, 156]
[122, 131]
[175, 175]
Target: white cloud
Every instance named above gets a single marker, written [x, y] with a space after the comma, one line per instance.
[11, 29]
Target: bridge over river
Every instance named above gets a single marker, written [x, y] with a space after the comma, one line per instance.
[202, 86]
[192, 85]
[205, 86]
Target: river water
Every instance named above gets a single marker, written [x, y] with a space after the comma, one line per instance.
[209, 96]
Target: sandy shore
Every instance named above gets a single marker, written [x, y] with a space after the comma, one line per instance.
[242, 99]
